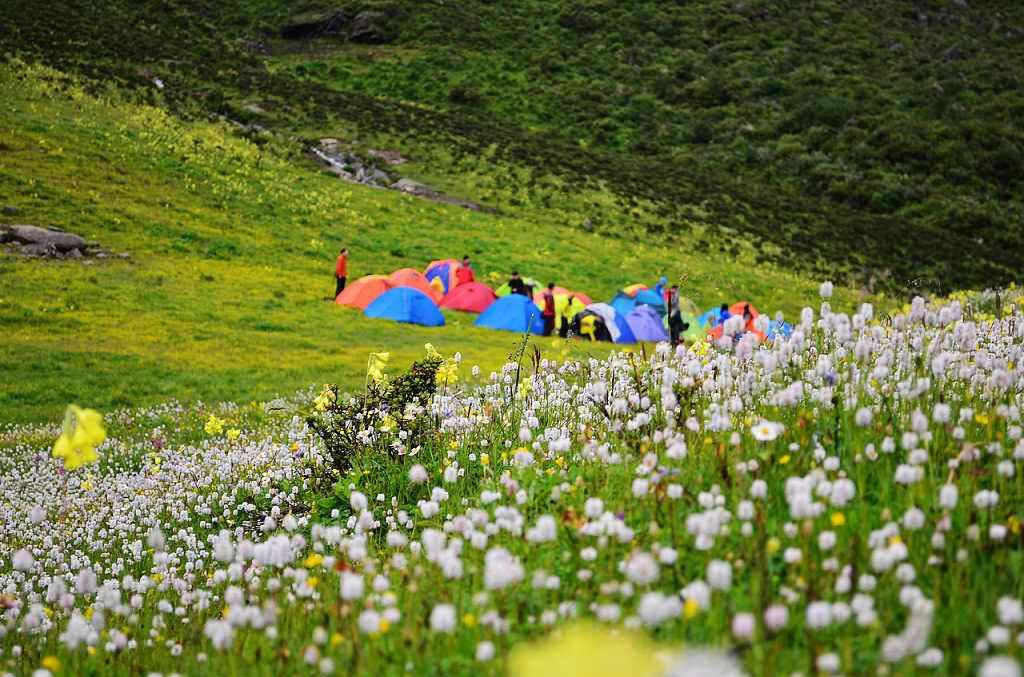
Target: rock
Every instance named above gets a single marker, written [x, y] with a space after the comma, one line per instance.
[10, 210]
[390, 157]
[39, 250]
[411, 187]
[314, 25]
[275, 405]
[369, 28]
[75, 254]
[254, 108]
[34, 235]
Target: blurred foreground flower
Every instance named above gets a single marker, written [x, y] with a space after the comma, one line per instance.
[375, 366]
[585, 650]
[83, 432]
[766, 431]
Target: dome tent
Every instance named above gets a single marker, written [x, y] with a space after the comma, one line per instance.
[514, 312]
[505, 290]
[443, 270]
[470, 297]
[649, 297]
[410, 277]
[625, 331]
[646, 324]
[405, 304]
[363, 291]
[623, 303]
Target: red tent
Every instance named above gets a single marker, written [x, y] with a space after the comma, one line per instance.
[363, 291]
[471, 297]
[410, 277]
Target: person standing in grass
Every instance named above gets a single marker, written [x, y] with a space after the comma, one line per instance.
[515, 283]
[548, 313]
[676, 325]
[341, 271]
[464, 273]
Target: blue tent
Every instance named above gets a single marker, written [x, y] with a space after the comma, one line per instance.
[622, 304]
[646, 324]
[514, 312]
[405, 304]
[776, 328]
[625, 332]
[712, 318]
[649, 297]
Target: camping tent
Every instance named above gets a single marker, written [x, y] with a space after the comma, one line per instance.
[711, 318]
[405, 304]
[737, 308]
[410, 277]
[623, 303]
[695, 331]
[514, 312]
[363, 291]
[632, 290]
[589, 324]
[781, 329]
[471, 297]
[444, 270]
[649, 297]
[538, 296]
[625, 331]
[607, 313]
[646, 324]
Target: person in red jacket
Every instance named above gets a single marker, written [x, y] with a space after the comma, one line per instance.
[341, 271]
[548, 313]
[464, 273]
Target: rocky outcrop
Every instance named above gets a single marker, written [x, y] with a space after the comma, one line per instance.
[50, 243]
[370, 27]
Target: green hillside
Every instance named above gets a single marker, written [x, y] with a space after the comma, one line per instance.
[232, 247]
[876, 140]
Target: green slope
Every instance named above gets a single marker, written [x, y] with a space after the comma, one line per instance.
[232, 249]
[865, 139]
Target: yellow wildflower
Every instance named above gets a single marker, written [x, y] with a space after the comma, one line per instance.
[429, 347]
[214, 425]
[983, 419]
[784, 460]
[838, 519]
[315, 559]
[485, 459]
[447, 373]
[586, 649]
[375, 366]
[86, 484]
[383, 625]
[312, 581]
[772, 546]
[337, 638]
[83, 432]
[1014, 524]
[233, 434]
[690, 609]
[469, 620]
[51, 663]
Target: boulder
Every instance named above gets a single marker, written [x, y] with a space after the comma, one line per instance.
[314, 25]
[369, 28]
[58, 240]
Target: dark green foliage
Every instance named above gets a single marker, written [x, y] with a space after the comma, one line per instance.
[862, 138]
[353, 426]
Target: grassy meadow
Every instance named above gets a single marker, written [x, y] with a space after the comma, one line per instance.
[231, 244]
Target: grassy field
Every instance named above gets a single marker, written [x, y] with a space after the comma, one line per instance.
[231, 251]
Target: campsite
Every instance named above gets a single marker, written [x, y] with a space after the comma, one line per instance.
[532, 338]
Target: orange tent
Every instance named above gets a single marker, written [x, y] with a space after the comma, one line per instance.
[363, 291]
[737, 308]
[716, 332]
[410, 277]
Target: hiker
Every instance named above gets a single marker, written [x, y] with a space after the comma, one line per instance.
[676, 326]
[548, 313]
[515, 284]
[563, 327]
[341, 271]
[723, 314]
[464, 273]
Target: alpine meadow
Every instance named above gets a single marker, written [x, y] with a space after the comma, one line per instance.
[530, 338]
